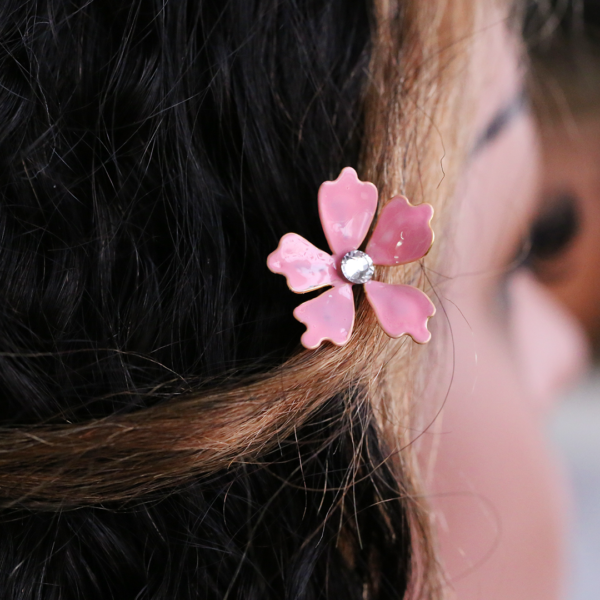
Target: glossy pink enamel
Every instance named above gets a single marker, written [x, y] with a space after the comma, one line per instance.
[401, 309]
[403, 233]
[329, 316]
[346, 207]
[305, 267]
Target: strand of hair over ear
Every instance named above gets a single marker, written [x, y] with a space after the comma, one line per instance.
[125, 457]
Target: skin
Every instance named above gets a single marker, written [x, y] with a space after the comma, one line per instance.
[497, 493]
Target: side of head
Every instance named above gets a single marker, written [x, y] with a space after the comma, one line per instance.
[163, 436]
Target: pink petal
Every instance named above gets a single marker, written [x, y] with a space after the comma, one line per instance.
[305, 267]
[401, 309]
[346, 207]
[329, 316]
[403, 233]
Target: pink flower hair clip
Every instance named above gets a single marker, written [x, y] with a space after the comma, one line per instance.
[402, 235]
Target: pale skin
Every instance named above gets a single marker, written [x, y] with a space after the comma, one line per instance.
[497, 494]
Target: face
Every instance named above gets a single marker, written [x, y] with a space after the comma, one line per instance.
[509, 348]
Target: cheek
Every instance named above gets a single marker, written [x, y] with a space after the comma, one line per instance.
[497, 494]
[550, 347]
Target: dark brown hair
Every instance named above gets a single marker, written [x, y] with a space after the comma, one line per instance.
[162, 436]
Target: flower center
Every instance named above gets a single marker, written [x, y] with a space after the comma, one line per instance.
[357, 267]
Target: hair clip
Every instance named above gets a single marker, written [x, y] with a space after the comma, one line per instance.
[402, 235]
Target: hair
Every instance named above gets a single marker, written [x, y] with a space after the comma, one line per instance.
[162, 436]
[564, 45]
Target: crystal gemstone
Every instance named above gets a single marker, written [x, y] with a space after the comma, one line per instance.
[357, 267]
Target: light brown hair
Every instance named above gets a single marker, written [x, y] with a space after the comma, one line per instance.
[416, 124]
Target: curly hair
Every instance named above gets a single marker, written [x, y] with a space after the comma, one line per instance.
[161, 435]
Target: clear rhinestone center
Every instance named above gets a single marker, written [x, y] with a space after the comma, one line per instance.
[357, 267]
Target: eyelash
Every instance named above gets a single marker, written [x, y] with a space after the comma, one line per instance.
[550, 235]
[553, 232]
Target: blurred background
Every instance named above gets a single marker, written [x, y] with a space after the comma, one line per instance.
[563, 37]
